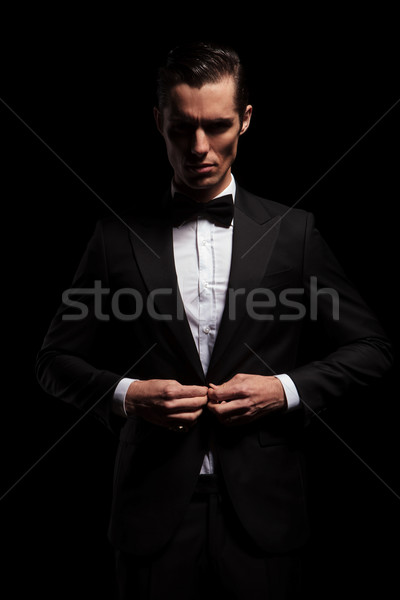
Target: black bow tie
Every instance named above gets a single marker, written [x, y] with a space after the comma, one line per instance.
[218, 211]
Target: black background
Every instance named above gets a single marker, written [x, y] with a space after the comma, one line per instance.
[85, 85]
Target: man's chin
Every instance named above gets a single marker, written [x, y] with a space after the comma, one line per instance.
[197, 184]
[201, 181]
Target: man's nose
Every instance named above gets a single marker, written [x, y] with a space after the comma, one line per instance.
[200, 143]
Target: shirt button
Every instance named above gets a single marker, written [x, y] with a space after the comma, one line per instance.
[204, 242]
[205, 283]
[206, 329]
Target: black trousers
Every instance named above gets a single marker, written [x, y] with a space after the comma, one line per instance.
[210, 556]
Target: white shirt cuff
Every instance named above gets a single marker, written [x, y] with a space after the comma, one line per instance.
[291, 393]
[119, 396]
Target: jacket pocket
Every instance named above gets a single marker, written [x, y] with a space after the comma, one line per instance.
[282, 278]
[286, 429]
[273, 438]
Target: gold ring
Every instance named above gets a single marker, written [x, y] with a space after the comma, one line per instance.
[178, 428]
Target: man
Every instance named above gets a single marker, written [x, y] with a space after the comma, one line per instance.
[195, 355]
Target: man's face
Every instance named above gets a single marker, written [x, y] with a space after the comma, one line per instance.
[201, 128]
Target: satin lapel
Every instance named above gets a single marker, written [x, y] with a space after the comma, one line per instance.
[253, 244]
[153, 248]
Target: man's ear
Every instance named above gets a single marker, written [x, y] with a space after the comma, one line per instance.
[246, 119]
[158, 119]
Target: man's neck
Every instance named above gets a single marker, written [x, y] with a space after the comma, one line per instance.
[204, 194]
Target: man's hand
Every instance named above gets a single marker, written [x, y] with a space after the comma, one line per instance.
[166, 402]
[245, 398]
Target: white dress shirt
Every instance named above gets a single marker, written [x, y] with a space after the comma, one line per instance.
[202, 254]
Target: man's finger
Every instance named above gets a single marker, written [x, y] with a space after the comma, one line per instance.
[189, 418]
[190, 391]
[185, 404]
[225, 393]
[235, 407]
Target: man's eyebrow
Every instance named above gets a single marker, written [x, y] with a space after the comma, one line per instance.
[186, 119]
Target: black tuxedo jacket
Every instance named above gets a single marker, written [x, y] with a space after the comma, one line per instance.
[281, 294]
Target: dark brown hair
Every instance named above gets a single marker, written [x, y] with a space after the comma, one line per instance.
[198, 63]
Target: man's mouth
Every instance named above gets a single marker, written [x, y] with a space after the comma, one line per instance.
[201, 168]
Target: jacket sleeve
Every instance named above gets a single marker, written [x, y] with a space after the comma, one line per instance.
[360, 352]
[70, 364]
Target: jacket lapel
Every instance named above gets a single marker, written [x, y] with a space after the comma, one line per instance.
[153, 249]
[254, 237]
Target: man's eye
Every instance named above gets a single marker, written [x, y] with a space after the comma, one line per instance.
[218, 127]
[180, 128]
